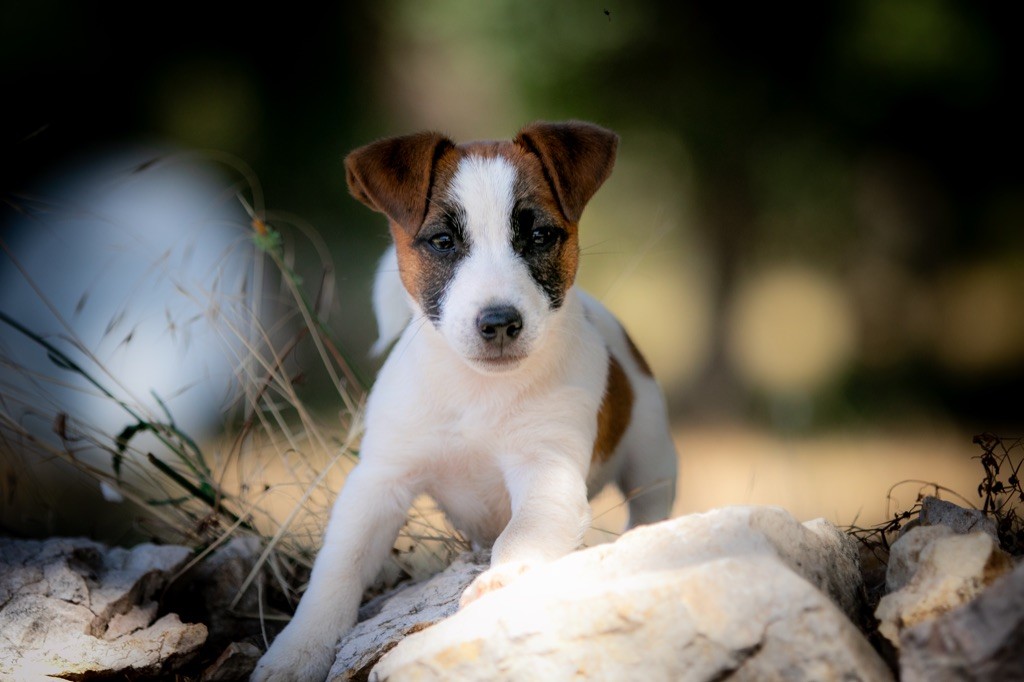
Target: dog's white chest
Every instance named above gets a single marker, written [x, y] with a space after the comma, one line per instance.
[458, 434]
[470, 488]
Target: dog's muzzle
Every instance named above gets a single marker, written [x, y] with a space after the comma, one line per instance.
[499, 325]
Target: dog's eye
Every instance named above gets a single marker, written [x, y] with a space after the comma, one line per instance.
[442, 242]
[524, 221]
[543, 237]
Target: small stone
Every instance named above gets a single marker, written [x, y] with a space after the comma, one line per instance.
[936, 512]
[138, 618]
[905, 555]
[951, 570]
[982, 640]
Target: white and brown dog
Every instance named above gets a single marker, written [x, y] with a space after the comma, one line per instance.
[510, 396]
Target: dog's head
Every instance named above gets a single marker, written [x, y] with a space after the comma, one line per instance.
[486, 232]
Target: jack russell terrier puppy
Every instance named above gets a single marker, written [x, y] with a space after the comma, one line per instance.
[510, 397]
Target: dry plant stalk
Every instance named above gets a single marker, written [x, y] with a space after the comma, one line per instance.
[277, 466]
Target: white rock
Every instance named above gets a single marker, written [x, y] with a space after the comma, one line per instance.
[407, 610]
[739, 591]
[74, 608]
[936, 512]
[981, 640]
[950, 570]
[905, 554]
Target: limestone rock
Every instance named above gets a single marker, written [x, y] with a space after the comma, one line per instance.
[982, 640]
[951, 570]
[936, 512]
[73, 607]
[744, 591]
[905, 554]
[409, 609]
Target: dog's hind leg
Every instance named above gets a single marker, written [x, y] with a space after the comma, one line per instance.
[647, 478]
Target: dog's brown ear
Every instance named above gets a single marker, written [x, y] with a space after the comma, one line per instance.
[393, 176]
[577, 158]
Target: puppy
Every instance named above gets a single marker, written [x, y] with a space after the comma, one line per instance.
[510, 395]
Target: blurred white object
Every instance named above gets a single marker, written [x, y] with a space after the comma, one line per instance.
[134, 266]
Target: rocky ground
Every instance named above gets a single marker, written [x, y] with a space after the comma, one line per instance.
[745, 593]
[75, 609]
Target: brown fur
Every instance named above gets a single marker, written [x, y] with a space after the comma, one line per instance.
[395, 176]
[615, 413]
[560, 166]
[577, 159]
[411, 268]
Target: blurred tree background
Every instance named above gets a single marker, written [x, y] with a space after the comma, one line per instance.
[816, 221]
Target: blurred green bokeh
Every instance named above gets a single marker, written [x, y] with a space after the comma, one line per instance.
[817, 216]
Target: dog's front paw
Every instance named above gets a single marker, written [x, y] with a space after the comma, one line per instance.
[294, 661]
[492, 579]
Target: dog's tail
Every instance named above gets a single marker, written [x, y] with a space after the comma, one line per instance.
[390, 302]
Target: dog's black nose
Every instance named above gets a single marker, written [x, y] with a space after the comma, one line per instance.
[499, 322]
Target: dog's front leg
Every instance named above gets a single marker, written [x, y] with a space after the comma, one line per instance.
[364, 522]
[550, 514]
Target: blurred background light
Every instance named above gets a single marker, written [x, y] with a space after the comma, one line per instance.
[980, 326]
[792, 331]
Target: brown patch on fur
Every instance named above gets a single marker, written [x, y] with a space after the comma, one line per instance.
[417, 272]
[395, 176]
[531, 182]
[576, 159]
[444, 172]
[570, 259]
[534, 188]
[559, 167]
[565, 163]
[410, 265]
[615, 413]
[637, 355]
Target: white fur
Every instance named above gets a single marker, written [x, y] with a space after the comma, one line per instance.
[492, 274]
[507, 457]
[391, 304]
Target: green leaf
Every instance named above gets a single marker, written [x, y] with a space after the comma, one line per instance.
[270, 241]
[117, 457]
